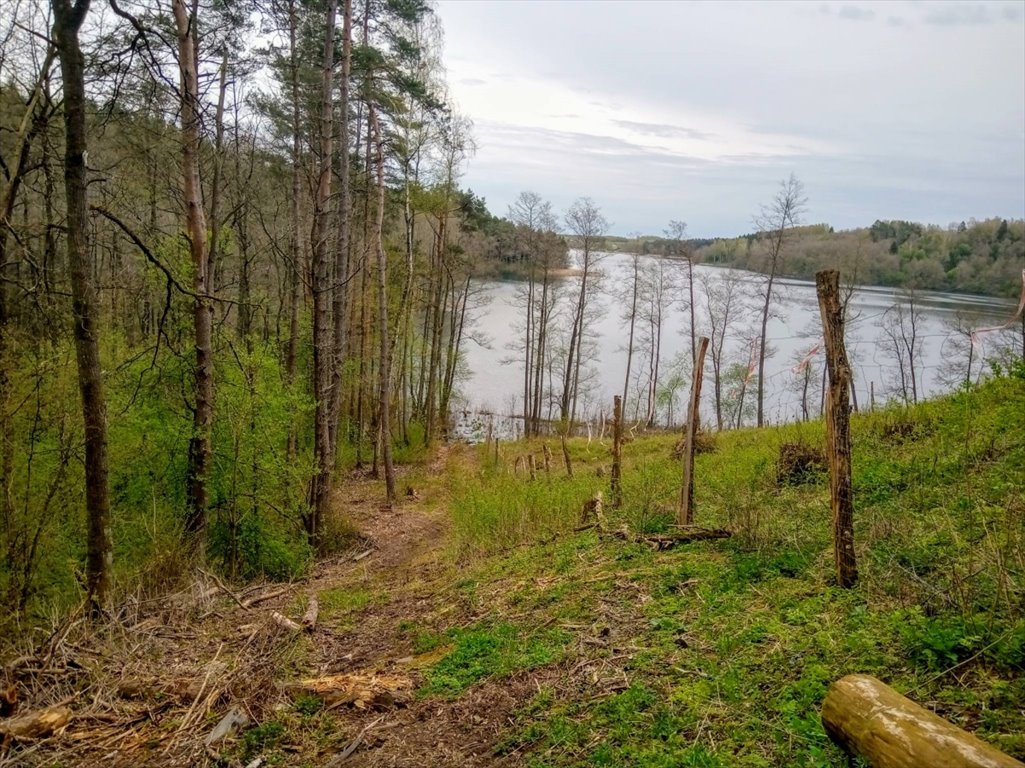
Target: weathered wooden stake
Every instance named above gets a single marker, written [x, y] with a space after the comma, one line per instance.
[685, 510]
[872, 395]
[548, 458]
[532, 466]
[617, 452]
[838, 426]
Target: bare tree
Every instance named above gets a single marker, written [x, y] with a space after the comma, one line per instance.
[657, 298]
[632, 291]
[722, 306]
[68, 20]
[902, 342]
[677, 234]
[530, 213]
[586, 222]
[774, 223]
[958, 353]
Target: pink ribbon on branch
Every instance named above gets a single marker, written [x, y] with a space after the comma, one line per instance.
[1009, 323]
[799, 368]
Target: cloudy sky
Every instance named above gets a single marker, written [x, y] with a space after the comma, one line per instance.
[695, 110]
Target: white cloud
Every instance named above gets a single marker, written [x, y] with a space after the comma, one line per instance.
[645, 101]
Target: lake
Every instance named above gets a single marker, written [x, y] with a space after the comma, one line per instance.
[493, 379]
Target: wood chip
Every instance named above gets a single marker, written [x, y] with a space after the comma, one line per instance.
[36, 725]
[235, 719]
[363, 691]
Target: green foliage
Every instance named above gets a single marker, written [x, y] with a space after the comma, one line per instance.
[975, 257]
[342, 604]
[261, 738]
[501, 508]
[730, 646]
[489, 650]
[257, 495]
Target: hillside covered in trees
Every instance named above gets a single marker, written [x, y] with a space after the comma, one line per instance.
[230, 233]
[981, 257]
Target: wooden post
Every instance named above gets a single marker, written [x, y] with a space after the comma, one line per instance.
[870, 719]
[532, 466]
[548, 458]
[838, 426]
[685, 510]
[617, 452]
[565, 449]
[872, 395]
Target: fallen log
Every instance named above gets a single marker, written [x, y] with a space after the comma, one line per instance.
[310, 617]
[249, 602]
[661, 541]
[284, 622]
[35, 725]
[362, 691]
[868, 718]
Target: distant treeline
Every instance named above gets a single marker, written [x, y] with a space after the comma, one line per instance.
[983, 257]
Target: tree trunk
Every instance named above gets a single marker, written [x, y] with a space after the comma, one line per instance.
[343, 243]
[215, 184]
[384, 369]
[294, 248]
[322, 329]
[633, 322]
[617, 453]
[762, 340]
[838, 427]
[685, 511]
[99, 547]
[202, 314]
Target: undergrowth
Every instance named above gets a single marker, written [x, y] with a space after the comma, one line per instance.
[719, 653]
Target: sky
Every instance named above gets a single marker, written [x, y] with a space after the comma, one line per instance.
[697, 110]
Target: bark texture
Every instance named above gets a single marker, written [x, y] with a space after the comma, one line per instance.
[870, 719]
[838, 426]
[685, 510]
[99, 547]
[202, 311]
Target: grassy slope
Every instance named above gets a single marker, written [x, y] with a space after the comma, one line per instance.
[719, 653]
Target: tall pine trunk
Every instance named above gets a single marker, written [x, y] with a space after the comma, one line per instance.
[99, 547]
[322, 330]
[202, 312]
[294, 249]
[384, 369]
[342, 260]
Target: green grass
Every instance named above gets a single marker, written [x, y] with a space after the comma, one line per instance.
[489, 650]
[719, 653]
[341, 605]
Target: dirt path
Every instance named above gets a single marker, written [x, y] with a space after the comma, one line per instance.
[409, 577]
[148, 688]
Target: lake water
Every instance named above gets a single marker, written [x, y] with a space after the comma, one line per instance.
[494, 379]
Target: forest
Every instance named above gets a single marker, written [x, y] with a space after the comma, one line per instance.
[238, 274]
[982, 257]
[229, 236]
